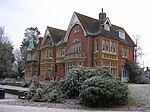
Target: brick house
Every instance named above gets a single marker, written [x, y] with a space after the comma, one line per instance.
[87, 42]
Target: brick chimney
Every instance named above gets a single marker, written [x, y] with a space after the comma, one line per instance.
[102, 15]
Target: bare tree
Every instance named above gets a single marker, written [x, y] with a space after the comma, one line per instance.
[138, 50]
[3, 37]
[19, 61]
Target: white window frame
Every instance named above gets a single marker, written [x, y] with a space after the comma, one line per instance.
[111, 46]
[104, 45]
[107, 45]
[62, 52]
[125, 52]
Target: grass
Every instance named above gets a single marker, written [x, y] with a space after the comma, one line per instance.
[140, 92]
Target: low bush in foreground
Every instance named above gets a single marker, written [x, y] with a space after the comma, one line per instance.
[103, 92]
[93, 87]
[48, 93]
[70, 85]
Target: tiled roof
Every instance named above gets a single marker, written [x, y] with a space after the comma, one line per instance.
[89, 24]
[93, 27]
[56, 34]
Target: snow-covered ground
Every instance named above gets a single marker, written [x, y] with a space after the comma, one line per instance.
[140, 94]
[10, 96]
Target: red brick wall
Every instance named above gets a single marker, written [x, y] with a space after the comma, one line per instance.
[89, 51]
[72, 36]
[122, 59]
[86, 44]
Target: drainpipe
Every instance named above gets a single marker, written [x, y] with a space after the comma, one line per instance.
[92, 51]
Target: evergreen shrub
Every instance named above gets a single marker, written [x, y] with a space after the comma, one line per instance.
[92, 86]
[103, 92]
[70, 85]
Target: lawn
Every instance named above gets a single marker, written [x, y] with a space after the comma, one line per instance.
[140, 92]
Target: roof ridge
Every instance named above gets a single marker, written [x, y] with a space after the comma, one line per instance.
[56, 28]
[117, 26]
[86, 16]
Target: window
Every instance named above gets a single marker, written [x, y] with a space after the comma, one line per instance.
[111, 67]
[57, 53]
[62, 52]
[122, 34]
[114, 68]
[51, 53]
[107, 46]
[124, 52]
[43, 54]
[79, 63]
[96, 64]
[69, 66]
[114, 47]
[106, 65]
[111, 46]
[103, 45]
[79, 47]
[76, 47]
[28, 57]
[107, 27]
[34, 56]
[96, 46]
[76, 28]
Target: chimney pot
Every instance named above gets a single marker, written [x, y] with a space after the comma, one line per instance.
[102, 15]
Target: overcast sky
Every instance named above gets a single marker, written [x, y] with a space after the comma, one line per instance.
[132, 15]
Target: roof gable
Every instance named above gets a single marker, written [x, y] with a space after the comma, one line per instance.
[96, 27]
[107, 21]
[74, 20]
[56, 35]
[127, 40]
[46, 35]
[91, 25]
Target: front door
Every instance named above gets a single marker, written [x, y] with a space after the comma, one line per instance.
[125, 76]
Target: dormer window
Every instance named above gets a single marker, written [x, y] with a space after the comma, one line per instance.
[107, 27]
[122, 34]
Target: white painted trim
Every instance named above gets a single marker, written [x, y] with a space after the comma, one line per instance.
[108, 20]
[74, 21]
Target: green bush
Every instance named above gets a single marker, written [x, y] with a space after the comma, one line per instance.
[50, 92]
[38, 95]
[93, 87]
[32, 92]
[71, 83]
[136, 75]
[98, 91]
